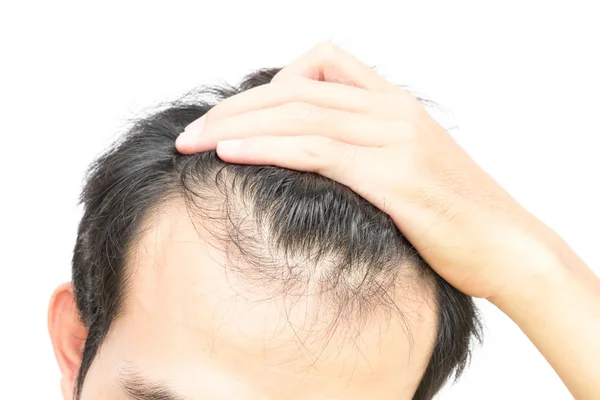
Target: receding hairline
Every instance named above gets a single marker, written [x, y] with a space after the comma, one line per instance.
[132, 175]
[398, 297]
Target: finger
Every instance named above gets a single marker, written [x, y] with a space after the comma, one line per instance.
[350, 165]
[323, 94]
[291, 119]
[330, 158]
[327, 62]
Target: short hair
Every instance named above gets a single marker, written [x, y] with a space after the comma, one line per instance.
[306, 217]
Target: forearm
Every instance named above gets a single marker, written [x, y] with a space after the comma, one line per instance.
[558, 308]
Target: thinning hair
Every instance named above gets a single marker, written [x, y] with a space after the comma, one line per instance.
[304, 218]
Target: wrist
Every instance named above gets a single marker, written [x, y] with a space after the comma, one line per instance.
[548, 268]
[541, 266]
[557, 305]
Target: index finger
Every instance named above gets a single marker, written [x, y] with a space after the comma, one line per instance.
[325, 62]
[328, 62]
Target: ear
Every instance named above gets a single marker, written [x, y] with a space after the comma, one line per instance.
[68, 336]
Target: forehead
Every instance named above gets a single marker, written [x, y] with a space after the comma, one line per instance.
[187, 315]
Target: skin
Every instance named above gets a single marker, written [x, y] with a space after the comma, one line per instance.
[206, 334]
[329, 113]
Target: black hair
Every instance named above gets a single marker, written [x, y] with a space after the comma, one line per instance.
[303, 214]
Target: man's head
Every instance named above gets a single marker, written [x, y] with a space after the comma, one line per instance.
[218, 281]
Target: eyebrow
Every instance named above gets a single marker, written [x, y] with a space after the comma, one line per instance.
[137, 387]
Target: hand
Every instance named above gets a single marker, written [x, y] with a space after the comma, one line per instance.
[328, 113]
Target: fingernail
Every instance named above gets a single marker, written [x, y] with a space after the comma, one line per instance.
[229, 146]
[184, 138]
[191, 132]
[197, 125]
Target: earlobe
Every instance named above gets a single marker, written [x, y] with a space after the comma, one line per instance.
[68, 336]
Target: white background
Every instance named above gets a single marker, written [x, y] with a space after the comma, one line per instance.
[520, 76]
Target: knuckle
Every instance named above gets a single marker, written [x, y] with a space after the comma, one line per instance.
[406, 130]
[412, 132]
[316, 152]
[350, 155]
[305, 114]
[349, 160]
[325, 50]
[296, 110]
[345, 159]
[324, 115]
